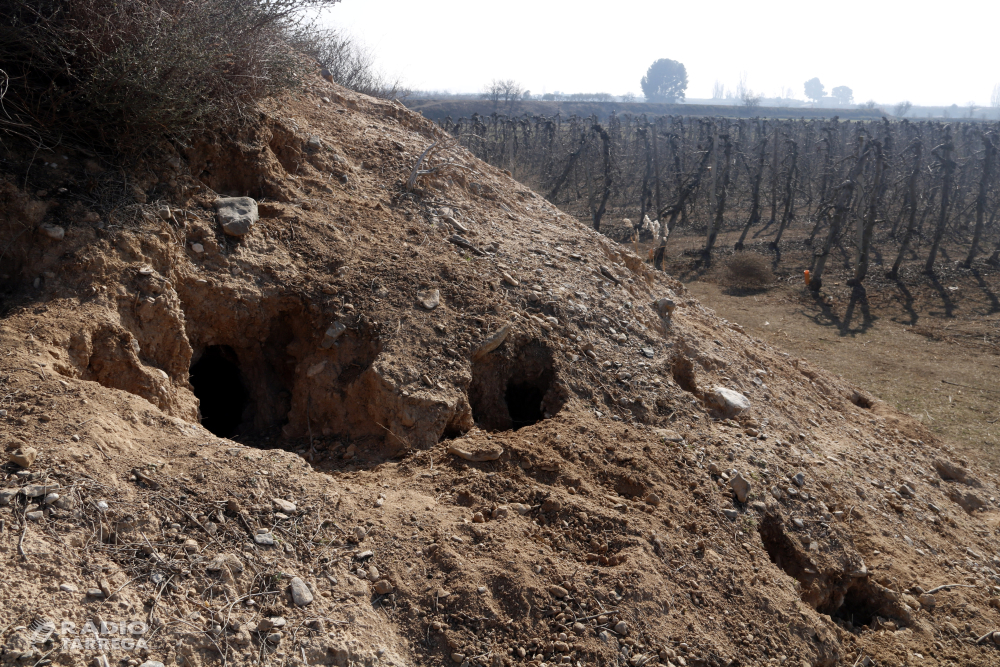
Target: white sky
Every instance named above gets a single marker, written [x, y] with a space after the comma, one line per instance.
[886, 50]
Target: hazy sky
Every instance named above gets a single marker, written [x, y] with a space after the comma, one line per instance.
[885, 50]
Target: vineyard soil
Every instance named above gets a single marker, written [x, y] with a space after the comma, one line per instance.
[929, 346]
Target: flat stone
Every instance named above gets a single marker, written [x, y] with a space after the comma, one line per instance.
[383, 587]
[264, 539]
[668, 435]
[301, 594]
[648, 352]
[730, 403]
[237, 215]
[799, 479]
[68, 588]
[730, 514]
[284, 505]
[37, 515]
[152, 663]
[37, 490]
[6, 495]
[621, 627]
[741, 487]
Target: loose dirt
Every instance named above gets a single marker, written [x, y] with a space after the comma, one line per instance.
[451, 426]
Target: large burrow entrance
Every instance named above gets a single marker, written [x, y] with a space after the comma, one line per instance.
[219, 386]
[515, 387]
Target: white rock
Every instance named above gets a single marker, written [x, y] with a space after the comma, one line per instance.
[198, 248]
[727, 401]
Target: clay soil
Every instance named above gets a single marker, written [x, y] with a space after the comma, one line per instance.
[462, 428]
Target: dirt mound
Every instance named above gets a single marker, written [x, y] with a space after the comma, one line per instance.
[448, 425]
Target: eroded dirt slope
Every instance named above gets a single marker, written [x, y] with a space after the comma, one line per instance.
[465, 429]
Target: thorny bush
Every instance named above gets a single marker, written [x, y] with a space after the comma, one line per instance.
[747, 270]
[119, 73]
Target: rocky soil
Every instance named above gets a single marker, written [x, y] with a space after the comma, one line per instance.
[460, 428]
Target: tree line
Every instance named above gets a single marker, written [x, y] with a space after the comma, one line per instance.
[913, 184]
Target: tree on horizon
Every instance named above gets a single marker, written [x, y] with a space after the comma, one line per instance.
[665, 81]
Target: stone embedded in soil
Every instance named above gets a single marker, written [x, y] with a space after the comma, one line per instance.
[24, 456]
[6, 495]
[730, 403]
[284, 505]
[799, 479]
[152, 663]
[301, 595]
[237, 215]
[558, 592]
[741, 487]
[621, 628]
[54, 232]
[264, 539]
[431, 300]
[730, 514]
[383, 587]
[333, 332]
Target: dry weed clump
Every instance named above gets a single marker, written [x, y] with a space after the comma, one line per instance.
[117, 73]
[747, 270]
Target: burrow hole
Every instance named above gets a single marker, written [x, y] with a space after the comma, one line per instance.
[683, 372]
[861, 400]
[511, 390]
[219, 386]
[853, 601]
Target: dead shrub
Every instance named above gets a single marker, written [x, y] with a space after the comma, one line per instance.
[122, 73]
[349, 62]
[747, 270]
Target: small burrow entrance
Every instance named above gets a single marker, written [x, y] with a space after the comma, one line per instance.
[862, 401]
[858, 605]
[853, 601]
[514, 387]
[682, 369]
[218, 384]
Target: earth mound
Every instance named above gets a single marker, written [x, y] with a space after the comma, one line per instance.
[398, 409]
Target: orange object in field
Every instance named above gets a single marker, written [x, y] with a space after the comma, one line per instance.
[806, 274]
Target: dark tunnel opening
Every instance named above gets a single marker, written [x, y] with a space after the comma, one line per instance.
[218, 385]
[524, 403]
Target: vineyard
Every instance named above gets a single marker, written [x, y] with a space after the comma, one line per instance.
[899, 188]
